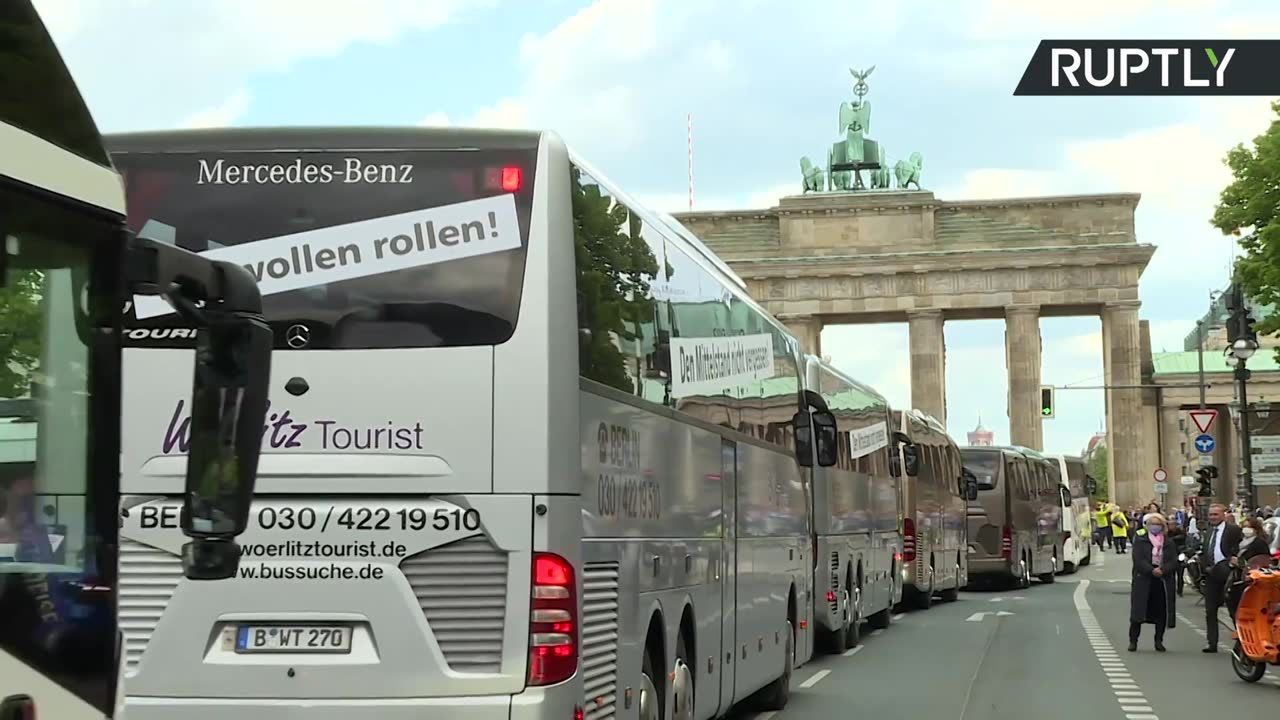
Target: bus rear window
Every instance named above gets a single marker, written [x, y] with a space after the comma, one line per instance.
[985, 466]
[362, 249]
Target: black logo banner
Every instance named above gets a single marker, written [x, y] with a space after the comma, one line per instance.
[1153, 67]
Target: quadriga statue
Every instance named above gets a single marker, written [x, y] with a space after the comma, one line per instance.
[813, 176]
[907, 171]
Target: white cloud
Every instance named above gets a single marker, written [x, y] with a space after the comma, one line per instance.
[220, 115]
[1080, 18]
[435, 119]
[146, 63]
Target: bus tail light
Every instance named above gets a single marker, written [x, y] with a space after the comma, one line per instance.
[909, 540]
[553, 621]
[1006, 542]
[507, 179]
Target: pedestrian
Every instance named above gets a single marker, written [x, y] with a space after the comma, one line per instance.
[1119, 531]
[1151, 597]
[1217, 559]
[1255, 551]
[1101, 527]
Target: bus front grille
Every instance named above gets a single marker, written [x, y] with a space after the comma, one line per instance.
[462, 590]
[600, 639]
[148, 578]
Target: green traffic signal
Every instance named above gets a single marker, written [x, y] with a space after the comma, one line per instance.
[1046, 411]
[1046, 401]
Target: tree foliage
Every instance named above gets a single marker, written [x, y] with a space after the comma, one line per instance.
[1249, 208]
[20, 331]
[1097, 470]
[615, 271]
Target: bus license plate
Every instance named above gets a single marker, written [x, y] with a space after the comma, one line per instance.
[293, 639]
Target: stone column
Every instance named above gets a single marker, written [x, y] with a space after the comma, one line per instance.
[1124, 403]
[928, 363]
[1022, 358]
[808, 330]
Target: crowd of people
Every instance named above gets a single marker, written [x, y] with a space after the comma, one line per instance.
[1233, 538]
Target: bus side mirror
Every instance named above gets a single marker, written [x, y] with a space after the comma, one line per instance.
[803, 433]
[228, 413]
[824, 425]
[970, 485]
[911, 459]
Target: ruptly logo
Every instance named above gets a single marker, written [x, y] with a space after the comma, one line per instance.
[1152, 67]
[297, 336]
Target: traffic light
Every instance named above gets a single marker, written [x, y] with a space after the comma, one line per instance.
[1206, 475]
[1046, 401]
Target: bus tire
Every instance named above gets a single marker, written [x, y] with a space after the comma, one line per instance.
[1049, 577]
[650, 697]
[776, 694]
[881, 620]
[952, 593]
[853, 633]
[923, 599]
[836, 638]
[682, 683]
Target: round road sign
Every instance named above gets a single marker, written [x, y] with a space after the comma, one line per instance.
[1160, 475]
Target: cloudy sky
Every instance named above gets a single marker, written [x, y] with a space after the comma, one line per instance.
[762, 80]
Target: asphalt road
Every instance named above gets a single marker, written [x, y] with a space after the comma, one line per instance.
[1057, 651]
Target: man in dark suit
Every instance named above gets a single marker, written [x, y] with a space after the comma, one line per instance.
[1218, 556]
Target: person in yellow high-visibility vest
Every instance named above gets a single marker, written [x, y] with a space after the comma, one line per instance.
[1119, 530]
[1101, 527]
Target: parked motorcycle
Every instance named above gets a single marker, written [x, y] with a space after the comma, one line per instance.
[1257, 631]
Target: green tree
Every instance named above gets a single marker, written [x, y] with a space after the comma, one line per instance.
[1249, 209]
[616, 269]
[1097, 470]
[20, 331]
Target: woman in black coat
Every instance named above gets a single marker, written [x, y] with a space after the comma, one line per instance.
[1153, 597]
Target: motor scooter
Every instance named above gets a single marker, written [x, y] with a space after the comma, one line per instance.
[1257, 631]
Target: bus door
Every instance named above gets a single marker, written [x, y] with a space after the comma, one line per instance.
[729, 571]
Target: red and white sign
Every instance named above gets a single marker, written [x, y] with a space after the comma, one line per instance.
[1160, 475]
[1203, 419]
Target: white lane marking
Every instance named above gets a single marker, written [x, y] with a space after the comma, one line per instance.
[766, 715]
[1127, 693]
[899, 616]
[817, 678]
[876, 632]
[852, 651]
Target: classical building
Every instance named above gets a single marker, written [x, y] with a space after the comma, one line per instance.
[906, 256]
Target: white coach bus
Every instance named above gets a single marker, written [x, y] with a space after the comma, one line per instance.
[66, 264]
[856, 513]
[532, 450]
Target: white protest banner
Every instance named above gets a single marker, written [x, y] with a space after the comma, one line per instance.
[706, 366]
[368, 247]
[867, 440]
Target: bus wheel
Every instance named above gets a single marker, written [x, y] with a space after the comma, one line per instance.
[838, 637]
[924, 598]
[650, 700]
[1050, 576]
[952, 594]
[776, 694]
[1024, 577]
[682, 684]
[853, 633]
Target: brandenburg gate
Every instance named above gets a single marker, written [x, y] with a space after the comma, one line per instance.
[854, 255]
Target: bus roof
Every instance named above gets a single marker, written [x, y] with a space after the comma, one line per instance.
[321, 138]
[49, 139]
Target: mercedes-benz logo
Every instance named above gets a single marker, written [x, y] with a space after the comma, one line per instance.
[297, 336]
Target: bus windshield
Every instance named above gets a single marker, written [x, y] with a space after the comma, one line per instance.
[986, 468]
[352, 249]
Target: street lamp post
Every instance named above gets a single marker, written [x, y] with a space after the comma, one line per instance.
[1238, 357]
